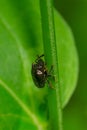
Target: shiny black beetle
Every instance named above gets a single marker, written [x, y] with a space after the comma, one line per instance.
[40, 73]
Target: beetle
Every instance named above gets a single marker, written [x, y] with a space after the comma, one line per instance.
[39, 72]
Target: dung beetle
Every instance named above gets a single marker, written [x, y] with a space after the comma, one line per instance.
[40, 74]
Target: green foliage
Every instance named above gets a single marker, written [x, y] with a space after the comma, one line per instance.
[22, 105]
[68, 60]
[75, 12]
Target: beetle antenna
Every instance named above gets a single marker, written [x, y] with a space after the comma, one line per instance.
[38, 57]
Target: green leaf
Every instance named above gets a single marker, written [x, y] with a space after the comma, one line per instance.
[22, 105]
[68, 58]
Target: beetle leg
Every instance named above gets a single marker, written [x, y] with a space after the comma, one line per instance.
[50, 85]
[51, 69]
[50, 73]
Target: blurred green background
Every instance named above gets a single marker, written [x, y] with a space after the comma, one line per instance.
[75, 13]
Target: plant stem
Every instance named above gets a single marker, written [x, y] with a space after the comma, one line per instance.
[49, 42]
